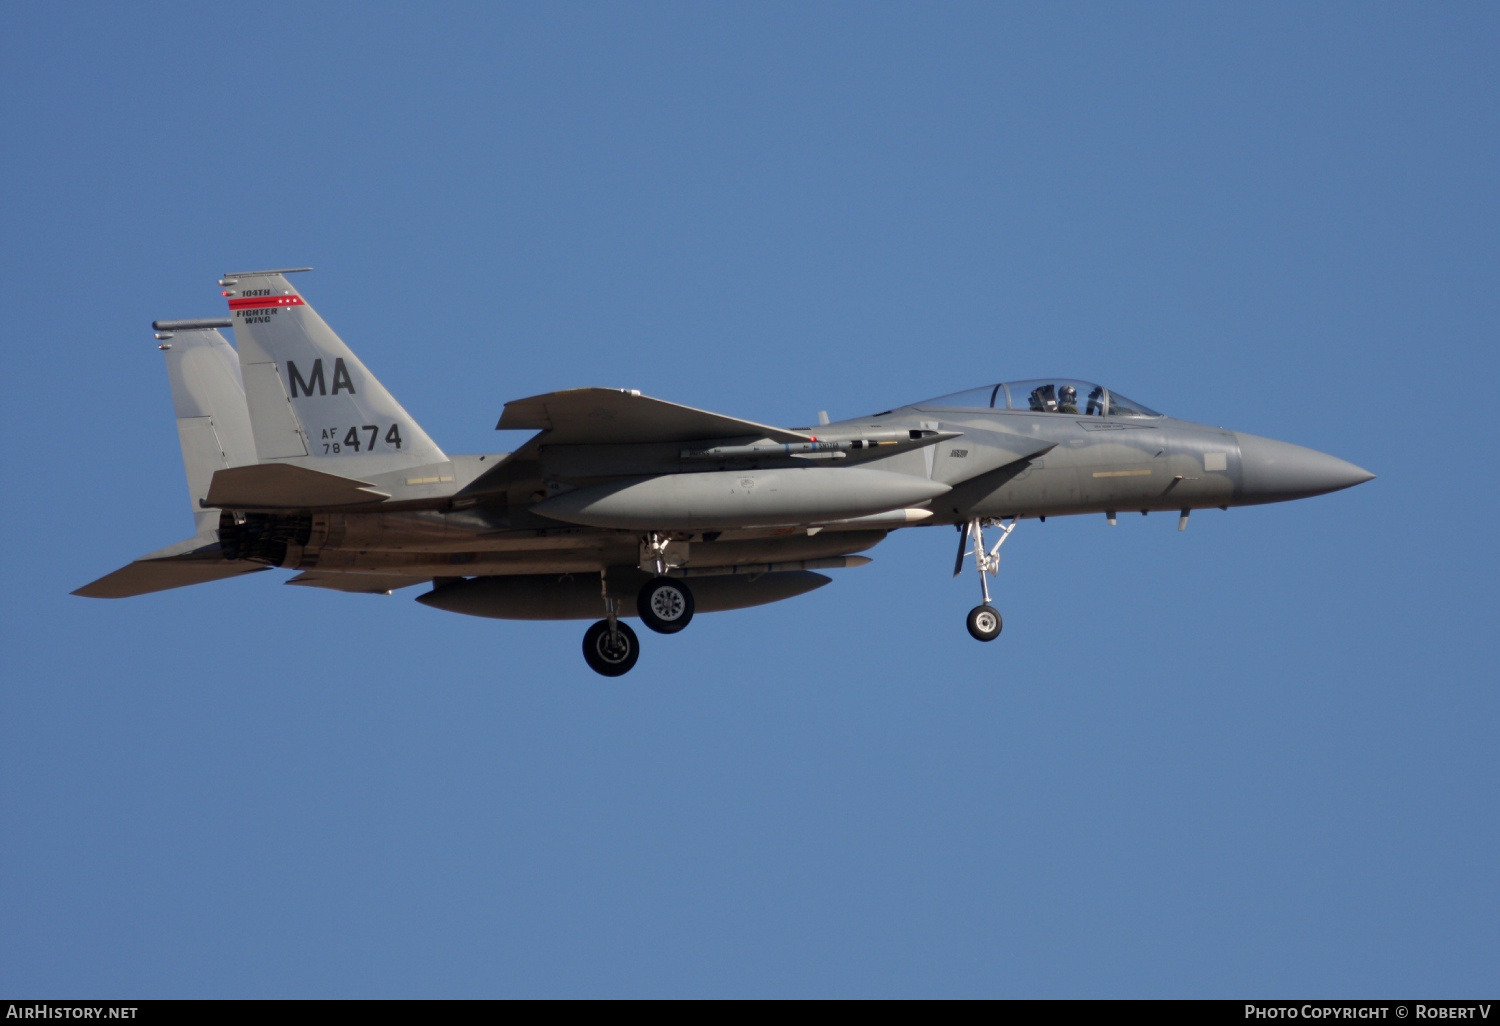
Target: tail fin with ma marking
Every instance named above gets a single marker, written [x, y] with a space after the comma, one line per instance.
[312, 402]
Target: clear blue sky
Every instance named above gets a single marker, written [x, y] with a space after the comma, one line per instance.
[1255, 758]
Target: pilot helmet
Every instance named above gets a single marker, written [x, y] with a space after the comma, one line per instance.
[1067, 394]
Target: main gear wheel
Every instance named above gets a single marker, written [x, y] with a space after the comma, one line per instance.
[611, 649]
[665, 605]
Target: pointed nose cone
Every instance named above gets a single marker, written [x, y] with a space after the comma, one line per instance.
[1276, 471]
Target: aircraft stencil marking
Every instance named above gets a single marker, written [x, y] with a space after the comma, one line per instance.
[341, 379]
[620, 500]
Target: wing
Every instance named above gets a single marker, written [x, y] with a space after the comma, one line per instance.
[583, 416]
[607, 416]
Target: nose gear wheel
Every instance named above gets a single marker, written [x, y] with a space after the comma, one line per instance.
[985, 623]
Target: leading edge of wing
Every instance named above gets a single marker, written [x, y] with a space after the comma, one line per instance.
[594, 415]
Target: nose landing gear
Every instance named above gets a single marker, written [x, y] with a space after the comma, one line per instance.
[984, 621]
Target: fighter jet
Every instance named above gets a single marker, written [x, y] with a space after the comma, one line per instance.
[622, 505]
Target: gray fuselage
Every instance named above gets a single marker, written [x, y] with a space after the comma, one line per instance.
[1081, 464]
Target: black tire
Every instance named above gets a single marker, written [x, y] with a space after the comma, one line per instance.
[985, 623]
[611, 657]
[665, 605]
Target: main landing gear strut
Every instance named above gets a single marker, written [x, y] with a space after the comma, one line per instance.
[611, 647]
[665, 604]
[984, 620]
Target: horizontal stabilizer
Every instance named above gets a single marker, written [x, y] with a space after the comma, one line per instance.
[284, 486]
[601, 415]
[363, 584]
[147, 575]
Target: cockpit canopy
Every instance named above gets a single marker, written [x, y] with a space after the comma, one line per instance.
[1047, 395]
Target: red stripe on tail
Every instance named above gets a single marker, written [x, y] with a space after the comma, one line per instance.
[261, 302]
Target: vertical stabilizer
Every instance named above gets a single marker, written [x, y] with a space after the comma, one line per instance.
[311, 401]
[209, 401]
[214, 429]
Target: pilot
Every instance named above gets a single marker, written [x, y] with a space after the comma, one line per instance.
[1067, 399]
[1096, 402]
